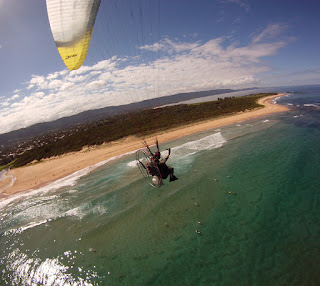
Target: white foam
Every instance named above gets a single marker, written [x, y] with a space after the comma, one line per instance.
[76, 212]
[34, 211]
[184, 154]
[23, 228]
[99, 210]
[3, 176]
[185, 151]
[64, 182]
[311, 105]
[132, 164]
[82, 210]
[206, 143]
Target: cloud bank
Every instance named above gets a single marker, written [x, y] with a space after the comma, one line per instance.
[183, 66]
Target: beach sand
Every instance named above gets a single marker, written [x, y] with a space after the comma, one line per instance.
[39, 174]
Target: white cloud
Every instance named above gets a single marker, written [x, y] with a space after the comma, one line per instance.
[37, 82]
[184, 66]
[243, 4]
[52, 76]
[36, 79]
[170, 46]
[39, 94]
[15, 96]
[95, 84]
[6, 103]
[271, 32]
[66, 86]
[54, 84]
[73, 78]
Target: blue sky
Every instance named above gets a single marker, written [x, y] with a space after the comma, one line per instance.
[199, 45]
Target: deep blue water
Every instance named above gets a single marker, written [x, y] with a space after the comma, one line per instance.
[257, 187]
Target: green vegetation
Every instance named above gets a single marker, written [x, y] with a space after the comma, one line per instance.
[141, 123]
[6, 166]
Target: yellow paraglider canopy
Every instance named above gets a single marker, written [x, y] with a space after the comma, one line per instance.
[71, 23]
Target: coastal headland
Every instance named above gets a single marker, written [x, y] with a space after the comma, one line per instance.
[37, 175]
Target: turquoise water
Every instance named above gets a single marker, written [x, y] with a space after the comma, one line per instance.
[107, 226]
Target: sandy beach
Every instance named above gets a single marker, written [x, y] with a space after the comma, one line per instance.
[40, 174]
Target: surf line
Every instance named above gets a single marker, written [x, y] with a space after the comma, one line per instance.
[9, 184]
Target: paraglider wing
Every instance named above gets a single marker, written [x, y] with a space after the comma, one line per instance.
[71, 23]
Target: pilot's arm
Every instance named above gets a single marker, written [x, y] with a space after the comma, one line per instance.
[166, 158]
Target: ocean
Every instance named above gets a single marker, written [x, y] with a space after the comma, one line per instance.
[251, 189]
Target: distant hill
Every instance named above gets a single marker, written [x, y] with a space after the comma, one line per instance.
[97, 114]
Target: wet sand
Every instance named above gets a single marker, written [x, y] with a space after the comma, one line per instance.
[37, 175]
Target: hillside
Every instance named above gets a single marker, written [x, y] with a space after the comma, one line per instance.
[93, 115]
[142, 123]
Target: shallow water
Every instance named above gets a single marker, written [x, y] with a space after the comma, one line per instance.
[257, 188]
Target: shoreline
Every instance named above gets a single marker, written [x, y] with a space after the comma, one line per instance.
[35, 176]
